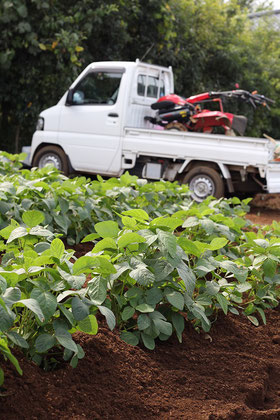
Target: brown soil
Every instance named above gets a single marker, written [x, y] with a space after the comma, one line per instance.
[233, 373]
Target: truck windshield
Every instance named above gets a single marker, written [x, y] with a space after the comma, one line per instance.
[98, 88]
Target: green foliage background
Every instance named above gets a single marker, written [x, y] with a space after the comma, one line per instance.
[211, 45]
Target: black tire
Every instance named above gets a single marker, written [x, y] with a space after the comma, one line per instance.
[51, 155]
[203, 182]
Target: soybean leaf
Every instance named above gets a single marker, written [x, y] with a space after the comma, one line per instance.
[57, 248]
[130, 338]
[163, 326]
[17, 233]
[97, 290]
[143, 322]
[179, 324]
[142, 275]
[34, 306]
[109, 315]
[44, 342]
[17, 339]
[46, 300]
[106, 243]
[63, 336]
[223, 302]
[33, 218]
[127, 313]
[175, 298]
[130, 238]
[138, 214]
[7, 318]
[80, 309]
[148, 341]
[217, 243]
[188, 277]
[144, 307]
[167, 242]
[107, 229]
[88, 325]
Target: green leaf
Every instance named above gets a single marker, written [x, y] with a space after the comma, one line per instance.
[129, 338]
[163, 326]
[33, 218]
[143, 322]
[91, 237]
[34, 306]
[57, 248]
[97, 290]
[89, 325]
[254, 320]
[168, 242]
[80, 310]
[148, 341]
[63, 222]
[170, 222]
[7, 318]
[17, 339]
[190, 247]
[223, 302]
[153, 296]
[179, 324]
[262, 314]
[212, 288]
[130, 238]
[127, 313]
[188, 277]
[190, 222]
[63, 336]
[144, 307]
[11, 295]
[176, 299]
[138, 214]
[142, 275]
[85, 263]
[217, 243]
[269, 267]
[17, 233]
[108, 229]
[46, 300]
[44, 342]
[106, 243]
[109, 315]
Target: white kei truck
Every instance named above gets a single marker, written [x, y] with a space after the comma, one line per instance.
[99, 127]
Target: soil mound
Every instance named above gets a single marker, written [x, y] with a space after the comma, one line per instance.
[232, 373]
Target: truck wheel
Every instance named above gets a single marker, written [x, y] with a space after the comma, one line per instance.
[51, 155]
[204, 181]
[175, 126]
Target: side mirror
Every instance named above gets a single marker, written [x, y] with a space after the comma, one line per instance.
[69, 99]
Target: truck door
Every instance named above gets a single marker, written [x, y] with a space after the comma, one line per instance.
[90, 125]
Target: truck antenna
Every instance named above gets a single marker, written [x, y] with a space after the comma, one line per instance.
[147, 52]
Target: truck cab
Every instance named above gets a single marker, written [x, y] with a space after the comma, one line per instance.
[83, 131]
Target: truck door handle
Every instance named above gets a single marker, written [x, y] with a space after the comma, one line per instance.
[113, 115]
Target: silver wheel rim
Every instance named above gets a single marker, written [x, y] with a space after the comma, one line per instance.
[201, 186]
[50, 159]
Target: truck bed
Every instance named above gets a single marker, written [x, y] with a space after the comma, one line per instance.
[241, 151]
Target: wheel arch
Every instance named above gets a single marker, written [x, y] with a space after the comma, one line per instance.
[45, 144]
[221, 168]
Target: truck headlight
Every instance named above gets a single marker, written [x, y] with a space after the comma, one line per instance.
[40, 124]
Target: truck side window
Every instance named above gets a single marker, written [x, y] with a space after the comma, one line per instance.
[141, 83]
[152, 89]
[161, 88]
[98, 88]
